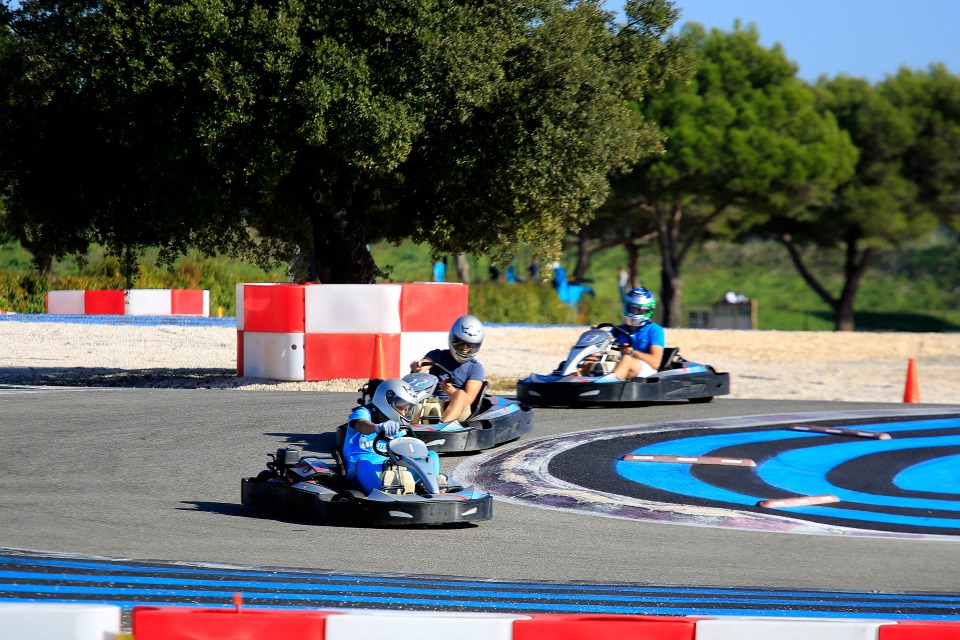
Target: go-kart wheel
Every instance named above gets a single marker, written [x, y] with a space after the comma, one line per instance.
[703, 400]
[381, 442]
[264, 475]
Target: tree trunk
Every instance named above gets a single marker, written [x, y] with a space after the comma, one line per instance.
[632, 253]
[463, 268]
[583, 255]
[340, 241]
[671, 286]
[854, 269]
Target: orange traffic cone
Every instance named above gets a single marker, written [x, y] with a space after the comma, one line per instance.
[912, 391]
[379, 362]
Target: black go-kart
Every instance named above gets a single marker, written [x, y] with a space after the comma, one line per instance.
[596, 352]
[316, 488]
[493, 420]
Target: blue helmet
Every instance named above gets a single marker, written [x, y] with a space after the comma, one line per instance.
[638, 307]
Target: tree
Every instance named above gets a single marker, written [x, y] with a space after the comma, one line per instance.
[931, 98]
[472, 126]
[743, 139]
[906, 174]
[100, 130]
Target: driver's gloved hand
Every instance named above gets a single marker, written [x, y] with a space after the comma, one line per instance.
[390, 428]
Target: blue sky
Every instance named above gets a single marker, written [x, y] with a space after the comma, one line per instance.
[863, 38]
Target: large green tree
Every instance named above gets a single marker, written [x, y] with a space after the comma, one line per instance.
[907, 178]
[743, 138]
[472, 126]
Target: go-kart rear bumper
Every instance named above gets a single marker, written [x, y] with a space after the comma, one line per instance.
[487, 430]
[693, 386]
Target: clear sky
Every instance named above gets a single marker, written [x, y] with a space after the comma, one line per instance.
[862, 38]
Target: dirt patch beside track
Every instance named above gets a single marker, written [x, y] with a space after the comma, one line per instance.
[867, 367]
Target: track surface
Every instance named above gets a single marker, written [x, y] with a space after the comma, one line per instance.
[155, 474]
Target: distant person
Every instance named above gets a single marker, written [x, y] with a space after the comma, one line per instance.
[460, 388]
[534, 269]
[494, 273]
[440, 270]
[511, 273]
[559, 276]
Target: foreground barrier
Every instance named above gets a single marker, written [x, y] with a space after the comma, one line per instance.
[176, 623]
[132, 302]
[327, 331]
[55, 621]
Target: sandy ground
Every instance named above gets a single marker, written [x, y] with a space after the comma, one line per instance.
[867, 367]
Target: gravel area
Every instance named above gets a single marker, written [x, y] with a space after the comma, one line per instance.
[866, 367]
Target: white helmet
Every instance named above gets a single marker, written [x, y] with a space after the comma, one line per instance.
[466, 336]
[395, 400]
[638, 307]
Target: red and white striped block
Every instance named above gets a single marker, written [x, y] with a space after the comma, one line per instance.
[327, 331]
[179, 623]
[132, 302]
[60, 621]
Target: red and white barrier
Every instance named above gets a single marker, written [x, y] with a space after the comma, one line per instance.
[327, 331]
[55, 621]
[176, 623]
[132, 302]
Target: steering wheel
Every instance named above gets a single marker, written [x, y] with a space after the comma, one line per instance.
[381, 444]
[615, 329]
[430, 364]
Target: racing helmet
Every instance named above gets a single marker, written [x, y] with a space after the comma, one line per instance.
[466, 336]
[638, 307]
[396, 400]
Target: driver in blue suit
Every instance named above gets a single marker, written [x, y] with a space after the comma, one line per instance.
[461, 387]
[392, 407]
[641, 339]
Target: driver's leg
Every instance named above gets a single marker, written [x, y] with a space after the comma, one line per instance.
[366, 473]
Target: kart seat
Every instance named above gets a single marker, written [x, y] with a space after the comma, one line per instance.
[477, 405]
[399, 477]
[430, 411]
[669, 353]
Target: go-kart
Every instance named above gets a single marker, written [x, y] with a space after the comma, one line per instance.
[596, 353]
[493, 420]
[316, 488]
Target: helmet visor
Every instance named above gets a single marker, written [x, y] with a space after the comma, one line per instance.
[404, 408]
[637, 309]
[464, 348]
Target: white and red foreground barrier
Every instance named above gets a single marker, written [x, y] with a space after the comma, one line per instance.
[328, 331]
[175, 623]
[55, 621]
[132, 302]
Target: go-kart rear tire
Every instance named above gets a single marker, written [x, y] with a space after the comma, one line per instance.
[702, 400]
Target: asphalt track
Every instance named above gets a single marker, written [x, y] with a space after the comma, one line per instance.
[154, 475]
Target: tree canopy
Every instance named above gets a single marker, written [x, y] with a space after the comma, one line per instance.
[904, 184]
[472, 126]
[743, 138]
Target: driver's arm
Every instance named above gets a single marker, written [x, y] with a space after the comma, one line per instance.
[417, 365]
[461, 399]
[653, 357]
[363, 426]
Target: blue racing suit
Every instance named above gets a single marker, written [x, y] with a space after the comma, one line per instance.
[363, 465]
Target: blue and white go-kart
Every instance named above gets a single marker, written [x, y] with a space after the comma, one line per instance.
[316, 488]
[596, 352]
